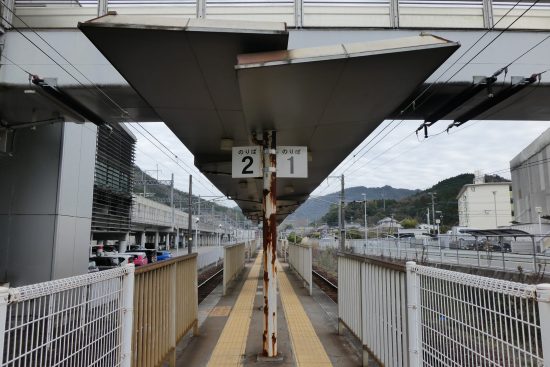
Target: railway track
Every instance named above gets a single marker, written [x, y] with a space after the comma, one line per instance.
[320, 278]
[207, 285]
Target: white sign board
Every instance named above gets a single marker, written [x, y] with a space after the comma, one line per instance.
[292, 161]
[246, 161]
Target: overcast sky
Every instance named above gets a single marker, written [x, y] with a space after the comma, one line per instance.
[412, 163]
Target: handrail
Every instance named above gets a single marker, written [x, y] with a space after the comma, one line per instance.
[165, 309]
[161, 264]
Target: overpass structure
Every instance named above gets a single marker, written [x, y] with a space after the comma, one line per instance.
[156, 223]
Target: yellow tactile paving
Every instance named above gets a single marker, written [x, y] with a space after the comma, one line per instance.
[306, 345]
[231, 345]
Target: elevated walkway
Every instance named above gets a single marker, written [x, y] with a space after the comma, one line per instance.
[230, 331]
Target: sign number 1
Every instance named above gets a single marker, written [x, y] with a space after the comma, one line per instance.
[246, 170]
[291, 159]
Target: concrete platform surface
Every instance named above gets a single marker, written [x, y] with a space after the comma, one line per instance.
[231, 326]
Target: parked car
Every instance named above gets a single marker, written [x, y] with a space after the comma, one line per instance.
[109, 261]
[163, 255]
[151, 253]
[92, 267]
[487, 245]
[140, 258]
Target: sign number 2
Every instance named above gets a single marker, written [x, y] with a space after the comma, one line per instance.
[248, 159]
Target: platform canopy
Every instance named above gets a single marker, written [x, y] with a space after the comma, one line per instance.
[215, 80]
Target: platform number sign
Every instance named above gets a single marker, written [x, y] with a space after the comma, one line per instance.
[292, 161]
[246, 162]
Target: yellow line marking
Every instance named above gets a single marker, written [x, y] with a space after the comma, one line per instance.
[306, 345]
[221, 311]
[230, 348]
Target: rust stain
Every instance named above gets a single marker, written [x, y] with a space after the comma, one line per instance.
[274, 343]
[264, 336]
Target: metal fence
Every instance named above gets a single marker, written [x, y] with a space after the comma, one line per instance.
[372, 304]
[165, 309]
[300, 259]
[436, 317]
[233, 263]
[434, 252]
[80, 321]
[458, 319]
[470, 14]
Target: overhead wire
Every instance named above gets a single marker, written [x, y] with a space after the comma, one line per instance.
[125, 115]
[477, 54]
[170, 157]
[413, 103]
[446, 70]
[199, 178]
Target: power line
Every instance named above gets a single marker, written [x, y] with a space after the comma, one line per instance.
[16, 65]
[444, 72]
[170, 157]
[413, 103]
[168, 149]
[125, 114]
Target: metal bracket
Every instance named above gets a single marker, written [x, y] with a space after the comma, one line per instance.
[6, 141]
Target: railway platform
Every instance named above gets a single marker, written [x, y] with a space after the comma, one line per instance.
[230, 326]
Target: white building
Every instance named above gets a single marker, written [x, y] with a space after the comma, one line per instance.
[485, 205]
[387, 224]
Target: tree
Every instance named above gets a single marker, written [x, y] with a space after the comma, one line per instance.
[409, 223]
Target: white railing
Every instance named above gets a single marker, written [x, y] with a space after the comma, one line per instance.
[458, 319]
[434, 252]
[372, 304]
[435, 317]
[468, 14]
[80, 321]
[299, 258]
[233, 263]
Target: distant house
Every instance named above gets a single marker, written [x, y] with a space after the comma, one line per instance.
[387, 224]
[484, 205]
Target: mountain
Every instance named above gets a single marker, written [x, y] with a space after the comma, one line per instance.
[315, 207]
[413, 206]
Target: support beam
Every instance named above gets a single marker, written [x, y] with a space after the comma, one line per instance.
[102, 7]
[190, 218]
[298, 13]
[270, 244]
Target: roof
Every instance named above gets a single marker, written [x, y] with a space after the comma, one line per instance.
[481, 184]
[228, 80]
[506, 232]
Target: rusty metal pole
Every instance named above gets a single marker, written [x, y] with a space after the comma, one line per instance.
[270, 244]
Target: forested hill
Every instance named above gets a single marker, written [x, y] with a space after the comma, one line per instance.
[315, 207]
[414, 206]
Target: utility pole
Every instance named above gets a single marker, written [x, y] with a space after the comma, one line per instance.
[173, 210]
[433, 210]
[495, 202]
[341, 215]
[366, 227]
[190, 218]
[428, 217]
[198, 221]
